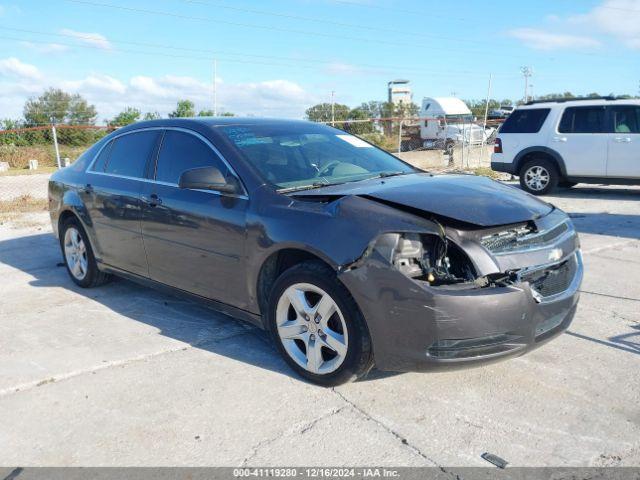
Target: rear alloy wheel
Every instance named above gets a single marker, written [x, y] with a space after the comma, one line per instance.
[78, 255]
[317, 326]
[538, 177]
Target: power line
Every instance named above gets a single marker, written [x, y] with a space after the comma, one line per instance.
[287, 30]
[365, 67]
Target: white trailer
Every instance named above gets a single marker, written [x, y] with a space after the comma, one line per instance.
[447, 121]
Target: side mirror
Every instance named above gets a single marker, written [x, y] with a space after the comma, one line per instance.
[208, 178]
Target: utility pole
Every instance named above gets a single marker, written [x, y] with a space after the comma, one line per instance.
[333, 108]
[526, 73]
[215, 88]
[55, 141]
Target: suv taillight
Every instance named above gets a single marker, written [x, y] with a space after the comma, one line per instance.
[497, 147]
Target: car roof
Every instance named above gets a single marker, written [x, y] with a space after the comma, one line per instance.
[579, 103]
[213, 122]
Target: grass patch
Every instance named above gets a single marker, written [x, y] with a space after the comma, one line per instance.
[487, 172]
[25, 171]
[11, 209]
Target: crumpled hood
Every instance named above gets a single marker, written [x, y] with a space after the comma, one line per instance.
[467, 198]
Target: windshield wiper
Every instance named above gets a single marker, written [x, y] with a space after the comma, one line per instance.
[308, 187]
[390, 174]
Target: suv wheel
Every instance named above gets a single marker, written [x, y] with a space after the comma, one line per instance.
[78, 255]
[539, 176]
[318, 327]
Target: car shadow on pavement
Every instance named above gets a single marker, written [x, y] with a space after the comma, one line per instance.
[183, 320]
[592, 192]
[611, 224]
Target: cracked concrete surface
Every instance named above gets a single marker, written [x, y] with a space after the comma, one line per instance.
[123, 375]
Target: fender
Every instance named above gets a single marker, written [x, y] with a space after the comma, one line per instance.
[71, 202]
[519, 158]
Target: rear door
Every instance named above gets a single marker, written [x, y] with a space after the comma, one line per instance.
[112, 197]
[624, 142]
[194, 239]
[581, 139]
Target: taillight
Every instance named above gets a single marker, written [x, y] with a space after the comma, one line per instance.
[497, 147]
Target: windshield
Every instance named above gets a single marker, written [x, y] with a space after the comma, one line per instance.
[293, 156]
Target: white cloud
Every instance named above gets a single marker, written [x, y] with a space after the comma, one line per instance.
[617, 18]
[12, 67]
[544, 40]
[93, 39]
[48, 48]
[96, 85]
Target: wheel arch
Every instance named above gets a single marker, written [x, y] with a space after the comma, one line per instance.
[537, 152]
[276, 263]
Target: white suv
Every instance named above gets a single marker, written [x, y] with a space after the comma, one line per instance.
[567, 142]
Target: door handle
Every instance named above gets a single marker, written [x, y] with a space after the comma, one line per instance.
[622, 139]
[88, 188]
[559, 139]
[153, 200]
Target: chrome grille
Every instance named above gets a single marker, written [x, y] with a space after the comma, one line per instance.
[522, 237]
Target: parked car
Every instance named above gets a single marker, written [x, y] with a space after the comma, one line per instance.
[348, 256]
[500, 113]
[565, 142]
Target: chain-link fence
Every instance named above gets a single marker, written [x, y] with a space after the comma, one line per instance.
[28, 156]
[429, 142]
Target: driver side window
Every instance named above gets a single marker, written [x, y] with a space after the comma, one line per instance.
[182, 151]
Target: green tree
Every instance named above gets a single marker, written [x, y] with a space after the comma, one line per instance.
[184, 108]
[60, 107]
[205, 113]
[322, 112]
[151, 116]
[126, 117]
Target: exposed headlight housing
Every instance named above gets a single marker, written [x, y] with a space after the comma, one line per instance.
[426, 257]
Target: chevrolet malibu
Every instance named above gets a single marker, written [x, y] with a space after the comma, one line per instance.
[346, 255]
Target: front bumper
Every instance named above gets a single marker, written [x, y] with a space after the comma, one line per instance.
[417, 327]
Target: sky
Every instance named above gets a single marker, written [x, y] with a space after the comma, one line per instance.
[276, 58]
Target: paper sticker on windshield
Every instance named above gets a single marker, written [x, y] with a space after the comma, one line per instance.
[355, 141]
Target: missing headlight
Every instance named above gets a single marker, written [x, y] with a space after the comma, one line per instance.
[426, 257]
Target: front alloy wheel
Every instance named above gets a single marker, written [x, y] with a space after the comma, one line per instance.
[312, 328]
[317, 326]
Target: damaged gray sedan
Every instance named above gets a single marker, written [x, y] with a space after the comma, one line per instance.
[348, 256]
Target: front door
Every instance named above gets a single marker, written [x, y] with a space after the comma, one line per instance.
[194, 239]
[112, 196]
[581, 139]
[624, 142]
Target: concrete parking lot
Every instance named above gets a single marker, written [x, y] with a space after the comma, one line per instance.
[122, 375]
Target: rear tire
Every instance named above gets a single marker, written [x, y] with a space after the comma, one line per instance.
[317, 326]
[539, 176]
[78, 255]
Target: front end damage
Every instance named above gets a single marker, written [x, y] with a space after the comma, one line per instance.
[459, 295]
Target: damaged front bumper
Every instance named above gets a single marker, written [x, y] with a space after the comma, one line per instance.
[415, 326]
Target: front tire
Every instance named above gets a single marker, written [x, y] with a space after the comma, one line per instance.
[78, 255]
[317, 326]
[539, 176]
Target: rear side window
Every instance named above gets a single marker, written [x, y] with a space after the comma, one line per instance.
[129, 153]
[582, 120]
[101, 161]
[527, 120]
[182, 151]
[626, 119]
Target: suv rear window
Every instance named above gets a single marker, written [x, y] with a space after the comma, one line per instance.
[582, 120]
[527, 120]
